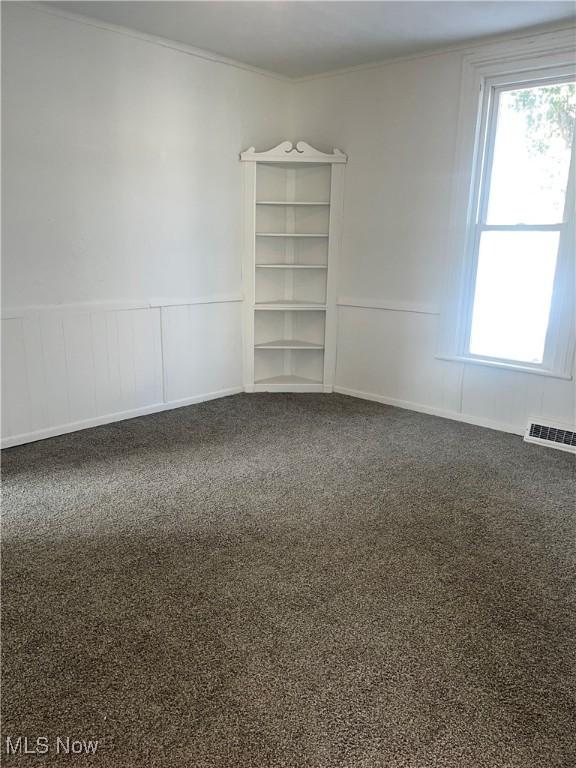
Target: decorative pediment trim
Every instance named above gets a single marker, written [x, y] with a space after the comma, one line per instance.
[287, 152]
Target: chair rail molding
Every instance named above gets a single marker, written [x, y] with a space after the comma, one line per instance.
[390, 305]
[119, 305]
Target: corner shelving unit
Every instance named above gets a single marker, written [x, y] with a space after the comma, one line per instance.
[293, 212]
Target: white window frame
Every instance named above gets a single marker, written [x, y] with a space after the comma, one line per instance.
[521, 63]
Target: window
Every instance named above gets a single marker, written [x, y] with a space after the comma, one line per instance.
[514, 302]
[520, 217]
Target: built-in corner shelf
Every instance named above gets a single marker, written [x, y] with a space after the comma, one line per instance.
[294, 196]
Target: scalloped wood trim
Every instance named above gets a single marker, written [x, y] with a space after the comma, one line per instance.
[287, 152]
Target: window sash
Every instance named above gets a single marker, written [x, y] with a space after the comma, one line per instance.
[493, 88]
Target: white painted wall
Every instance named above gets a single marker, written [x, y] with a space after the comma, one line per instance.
[122, 192]
[121, 163]
[397, 123]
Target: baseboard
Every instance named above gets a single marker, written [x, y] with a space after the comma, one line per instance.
[431, 410]
[63, 429]
[202, 398]
[110, 418]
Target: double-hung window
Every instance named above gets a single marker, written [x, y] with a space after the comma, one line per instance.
[515, 306]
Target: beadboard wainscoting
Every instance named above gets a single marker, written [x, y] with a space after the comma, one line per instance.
[387, 353]
[70, 367]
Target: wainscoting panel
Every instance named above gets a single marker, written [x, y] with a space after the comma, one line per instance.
[502, 396]
[392, 353]
[202, 349]
[388, 354]
[52, 358]
[558, 401]
[16, 405]
[69, 368]
[64, 368]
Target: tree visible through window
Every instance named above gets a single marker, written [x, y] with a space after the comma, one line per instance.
[520, 219]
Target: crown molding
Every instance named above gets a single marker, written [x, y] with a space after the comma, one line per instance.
[470, 49]
[163, 42]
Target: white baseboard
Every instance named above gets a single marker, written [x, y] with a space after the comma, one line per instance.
[109, 418]
[431, 410]
[63, 429]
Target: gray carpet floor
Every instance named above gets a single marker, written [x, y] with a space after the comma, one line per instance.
[291, 581]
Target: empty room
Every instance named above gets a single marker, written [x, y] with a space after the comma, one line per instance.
[288, 384]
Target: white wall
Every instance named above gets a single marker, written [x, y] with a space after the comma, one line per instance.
[397, 122]
[121, 163]
[122, 192]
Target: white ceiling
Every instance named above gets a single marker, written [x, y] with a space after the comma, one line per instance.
[301, 38]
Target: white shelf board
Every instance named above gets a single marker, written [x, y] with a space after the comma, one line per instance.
[290, 304]
[290, 202]
[288, 344]
[291, 266]
[288, 384]
[291, 234]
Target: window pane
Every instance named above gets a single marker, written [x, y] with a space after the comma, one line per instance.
[513, 291]
[532, 155]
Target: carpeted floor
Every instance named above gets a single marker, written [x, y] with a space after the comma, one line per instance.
[291, 581]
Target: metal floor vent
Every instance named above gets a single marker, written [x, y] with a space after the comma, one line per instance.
[554, 436]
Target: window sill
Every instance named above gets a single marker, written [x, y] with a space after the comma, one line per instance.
[519, 368]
